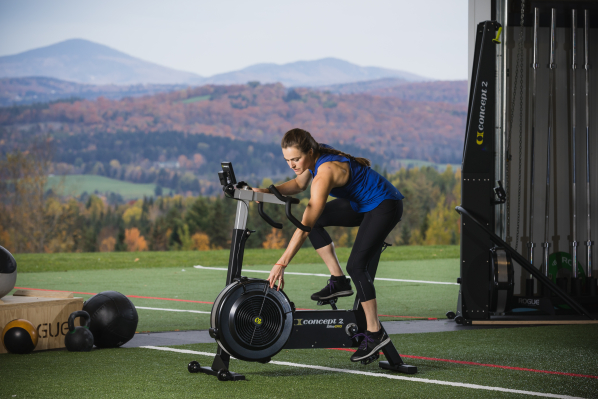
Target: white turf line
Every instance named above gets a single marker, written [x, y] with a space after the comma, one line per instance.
[173, 310]
[382, 375]
[327, 275]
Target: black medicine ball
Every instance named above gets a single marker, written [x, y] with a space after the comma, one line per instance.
[113, 319]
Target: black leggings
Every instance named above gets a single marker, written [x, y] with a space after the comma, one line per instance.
[375, 226]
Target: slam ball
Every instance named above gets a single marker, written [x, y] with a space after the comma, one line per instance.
[113, 319]
[19, 336]
[8, 272]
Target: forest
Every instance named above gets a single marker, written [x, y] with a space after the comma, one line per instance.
[387, 126]
[33, 219]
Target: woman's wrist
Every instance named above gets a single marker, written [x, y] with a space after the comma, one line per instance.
[281, 264]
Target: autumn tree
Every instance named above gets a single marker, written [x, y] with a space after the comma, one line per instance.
[23, 205]
[274, 240]
[134, 240]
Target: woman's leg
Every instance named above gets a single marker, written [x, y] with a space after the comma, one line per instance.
[374, 229]
[337, 212]
[329, 257]
[370, 309]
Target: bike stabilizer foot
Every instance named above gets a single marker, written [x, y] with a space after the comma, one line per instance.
[222, 374]
[401, 368]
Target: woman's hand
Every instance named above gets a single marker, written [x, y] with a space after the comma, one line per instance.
[261, 190]
[277, 274]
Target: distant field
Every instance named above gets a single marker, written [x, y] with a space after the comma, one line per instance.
[417, 163]
[78, 184]
[195, 99]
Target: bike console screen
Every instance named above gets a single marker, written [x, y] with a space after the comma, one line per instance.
[227, 175]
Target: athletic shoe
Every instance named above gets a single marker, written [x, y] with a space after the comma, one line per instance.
[371, 343]
[337, 287]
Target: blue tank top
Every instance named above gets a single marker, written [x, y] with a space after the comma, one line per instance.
[366, 188]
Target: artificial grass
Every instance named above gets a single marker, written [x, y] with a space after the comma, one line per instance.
[394, 298]
[28, 263]
[147, 373]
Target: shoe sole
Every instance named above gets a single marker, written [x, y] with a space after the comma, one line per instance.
[377, 348]
[337, 295]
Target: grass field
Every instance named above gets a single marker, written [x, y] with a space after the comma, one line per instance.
[129, 260]
[464, 364]
[76, 185]
[196, 99]
[418, 163]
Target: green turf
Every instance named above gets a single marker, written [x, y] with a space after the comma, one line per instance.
[394, 298]
[128, 260]
[76, 185]
[195, 99]
[147, 373]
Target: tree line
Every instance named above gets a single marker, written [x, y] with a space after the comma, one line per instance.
[35, 220]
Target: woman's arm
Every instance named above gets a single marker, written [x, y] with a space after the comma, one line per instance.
[320, 189]
[292, 187]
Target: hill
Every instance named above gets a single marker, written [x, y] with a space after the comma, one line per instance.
[321, 72]
[390, 127]
[436, 91]
[86, 62]
[82, 61]
[29, 90]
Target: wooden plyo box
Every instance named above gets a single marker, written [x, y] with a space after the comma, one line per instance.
[47, 311]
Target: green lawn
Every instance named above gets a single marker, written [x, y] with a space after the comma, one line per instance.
[160, 274]
[149, 373]
[185, 282]
[76, 185]
[129, 260]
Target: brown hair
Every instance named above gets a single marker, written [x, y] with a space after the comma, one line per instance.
[304, 141]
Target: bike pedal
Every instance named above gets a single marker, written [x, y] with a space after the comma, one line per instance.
[370, 359]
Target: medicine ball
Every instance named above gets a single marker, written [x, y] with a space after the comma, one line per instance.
[19, 336]
[8, 272]
[113, 319]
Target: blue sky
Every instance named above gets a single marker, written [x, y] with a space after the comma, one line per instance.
[428, 38]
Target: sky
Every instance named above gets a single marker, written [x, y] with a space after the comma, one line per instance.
[428, 38]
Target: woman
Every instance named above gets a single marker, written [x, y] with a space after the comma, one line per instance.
[364, 198]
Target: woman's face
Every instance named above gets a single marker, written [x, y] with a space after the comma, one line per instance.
[297, 160]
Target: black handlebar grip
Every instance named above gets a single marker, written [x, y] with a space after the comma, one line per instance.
[277, 193]
[268, 219]
[301, 226]
[287, 209]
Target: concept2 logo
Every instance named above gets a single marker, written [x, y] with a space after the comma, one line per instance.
[480, 137]
[329, 323]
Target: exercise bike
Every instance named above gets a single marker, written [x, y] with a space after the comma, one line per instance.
[253, 322]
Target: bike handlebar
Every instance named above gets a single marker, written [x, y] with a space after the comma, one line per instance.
[287, 209]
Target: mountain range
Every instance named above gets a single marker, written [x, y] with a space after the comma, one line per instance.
[85, 62]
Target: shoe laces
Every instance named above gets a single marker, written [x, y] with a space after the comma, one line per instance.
[366, 339]
[330, 284]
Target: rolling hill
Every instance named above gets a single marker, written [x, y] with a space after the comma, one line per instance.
[391, 127]
[82, 61]
[321, 72]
